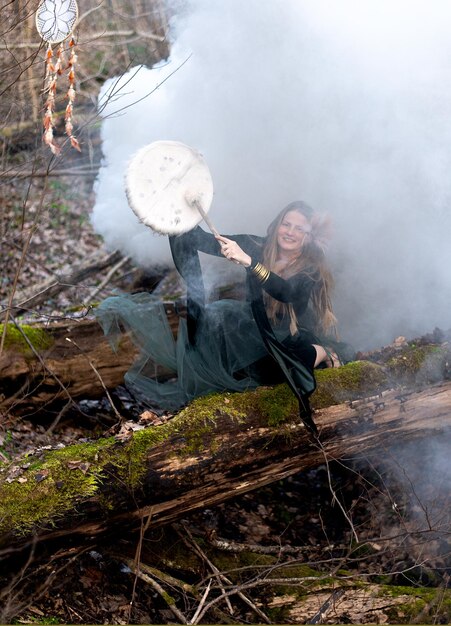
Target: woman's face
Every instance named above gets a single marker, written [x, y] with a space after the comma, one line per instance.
[291, 232]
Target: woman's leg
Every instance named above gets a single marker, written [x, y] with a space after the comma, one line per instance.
[326, 356]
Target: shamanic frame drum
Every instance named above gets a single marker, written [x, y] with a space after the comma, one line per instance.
[169, 187]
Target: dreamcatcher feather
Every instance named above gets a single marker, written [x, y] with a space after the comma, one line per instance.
[55, 21]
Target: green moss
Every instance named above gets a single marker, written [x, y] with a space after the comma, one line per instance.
[24, 504]
[421, 364]
[405, 612]
[246, 559]
[276, 405]
[313, 579]
[354, 380]
[174, 554]
[49, 486]
[431, 605]
[235, 563]
[298, 571]
[168, 599]
[349, 382]
[278, 614]
[32, 619]
[426, 594]
[196, 424]
[39, 339]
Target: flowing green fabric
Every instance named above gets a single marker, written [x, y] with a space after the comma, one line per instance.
[228, 344]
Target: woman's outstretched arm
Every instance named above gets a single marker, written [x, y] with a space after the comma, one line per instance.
[296, 289]
[198, 239]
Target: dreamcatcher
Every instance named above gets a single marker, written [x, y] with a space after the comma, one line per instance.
[55, 21]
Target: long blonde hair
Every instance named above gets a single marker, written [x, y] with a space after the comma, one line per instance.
[311, 261]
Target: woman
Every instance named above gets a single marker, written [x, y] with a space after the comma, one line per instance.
[233, 345]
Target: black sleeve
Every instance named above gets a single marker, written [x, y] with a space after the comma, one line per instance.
[207, 243]
[202, 241]
[295, 290]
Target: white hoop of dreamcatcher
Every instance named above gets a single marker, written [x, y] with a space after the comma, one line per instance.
[55, 22]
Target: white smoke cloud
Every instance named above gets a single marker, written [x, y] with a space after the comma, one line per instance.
[346, 105]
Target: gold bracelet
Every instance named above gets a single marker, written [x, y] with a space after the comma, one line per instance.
[261, 272]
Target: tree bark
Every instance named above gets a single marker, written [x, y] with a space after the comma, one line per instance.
[219, 447]
[32, 376]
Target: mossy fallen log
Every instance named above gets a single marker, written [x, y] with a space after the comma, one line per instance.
[45, 364]
[48, 364]
[218, 447]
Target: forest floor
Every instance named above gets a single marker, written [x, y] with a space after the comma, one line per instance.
[401, 516]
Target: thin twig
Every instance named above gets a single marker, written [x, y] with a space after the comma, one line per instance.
[20, 264]
[200, 553]
[107, 278]
[260, 582]
[201, 603]
[92, 37]
[137, 562]
[233, 546]
[116, 412]
[159, 589]
[156, 573]
[42, 362]
[334, 495]
[221, 577]
[57, 419]
[88, 171]
[53, 285]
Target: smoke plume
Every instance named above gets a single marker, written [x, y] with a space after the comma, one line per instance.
[345, 105]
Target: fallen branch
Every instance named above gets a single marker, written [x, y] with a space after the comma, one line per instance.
[220, 577]
[195, 617]
[52, 286]
[95, 292]
[238, 548]
[190, 542]
[155, 573]
[159, 589]
[25, 385]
